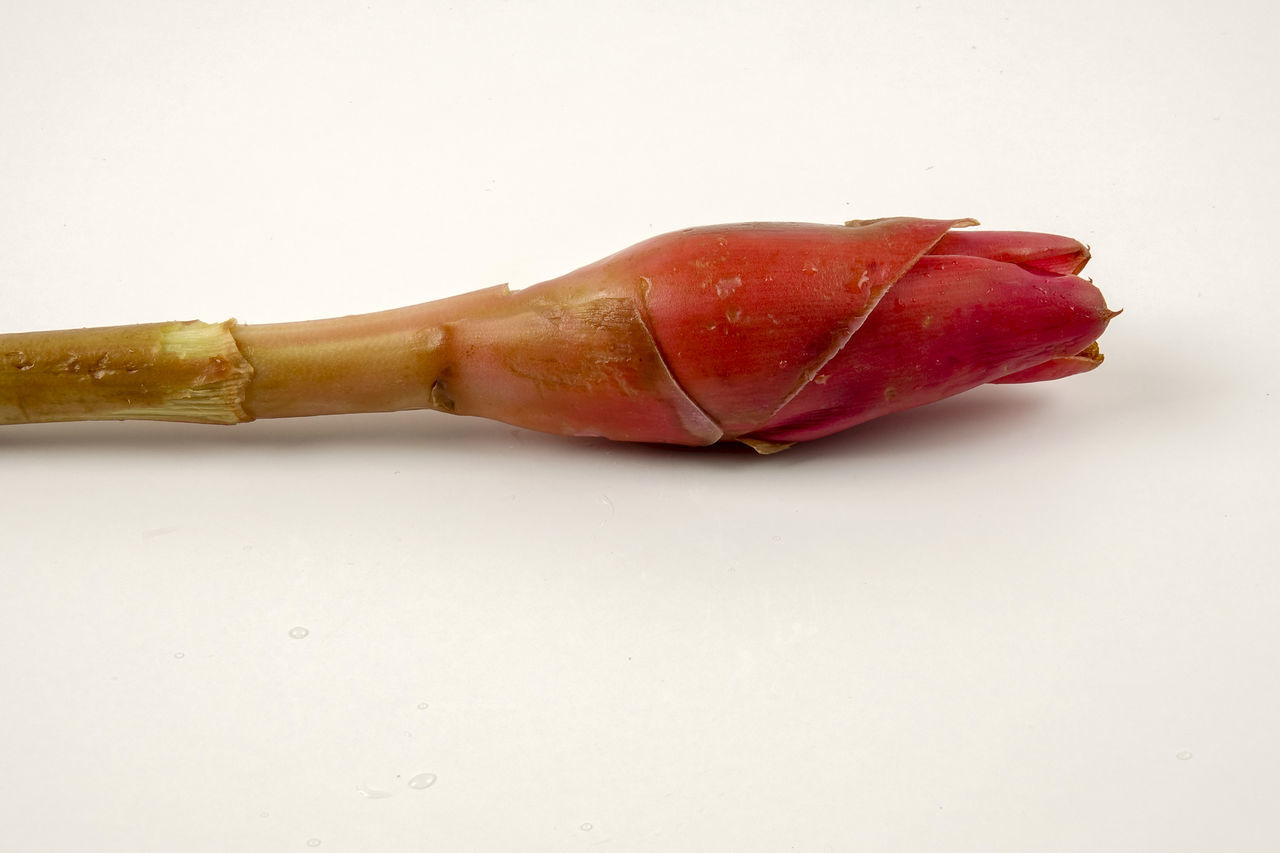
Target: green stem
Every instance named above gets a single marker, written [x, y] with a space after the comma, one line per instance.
[228, 373]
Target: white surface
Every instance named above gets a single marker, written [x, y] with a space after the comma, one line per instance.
[1031, 618]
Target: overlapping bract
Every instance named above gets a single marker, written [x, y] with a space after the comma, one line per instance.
[773, 333]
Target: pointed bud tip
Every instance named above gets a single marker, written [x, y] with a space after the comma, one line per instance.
[1086, 255]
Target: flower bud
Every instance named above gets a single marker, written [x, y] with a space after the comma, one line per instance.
[772, 333]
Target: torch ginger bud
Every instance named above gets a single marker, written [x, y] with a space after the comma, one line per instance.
[777, 333]
[766, 333]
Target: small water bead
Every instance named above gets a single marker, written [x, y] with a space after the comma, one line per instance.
[422, 781]
[298, 633]
[1183, 756]
[313, 842]
[373, 793]
[586, 827]
[179, 655]
[422, 706]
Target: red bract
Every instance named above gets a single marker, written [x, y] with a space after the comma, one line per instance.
[766, 333]
[951, 323]
[775, 333]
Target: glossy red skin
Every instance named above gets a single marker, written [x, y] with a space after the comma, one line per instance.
[950, 324]
[1055, 368]
[773, 332]
[746, 314]
[1045, 252]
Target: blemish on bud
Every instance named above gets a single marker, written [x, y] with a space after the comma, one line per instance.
[727, 286]
[927, 321]
[433, 338]
[783, 363]
[734, 314]
[890, 392]
[809, 267]
[821, 378]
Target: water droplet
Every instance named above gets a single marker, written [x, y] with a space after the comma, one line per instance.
[313, 842]
[264, 814]
[422, 706]
[1183, 756]
[372, 793]
[179, 655]
[298, 633]
[586, 827]
[422, 781]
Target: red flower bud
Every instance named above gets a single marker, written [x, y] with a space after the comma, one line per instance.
[776, 333]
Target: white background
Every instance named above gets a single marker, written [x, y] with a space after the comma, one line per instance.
[1030, 618]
